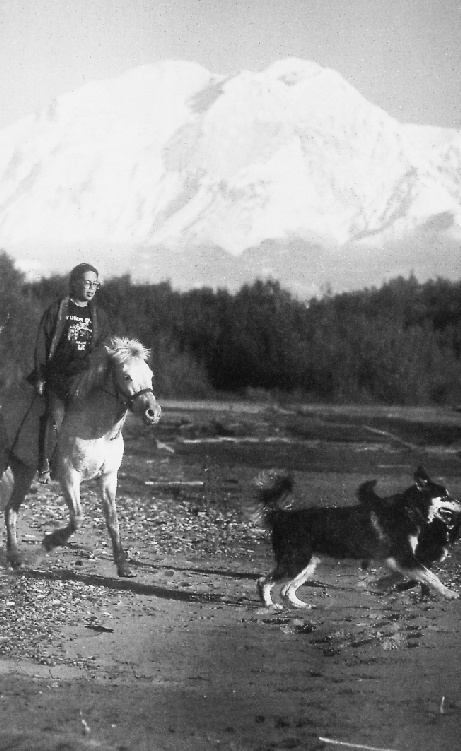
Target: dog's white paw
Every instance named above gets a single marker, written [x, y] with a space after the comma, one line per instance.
[295, 602]
[265, 609]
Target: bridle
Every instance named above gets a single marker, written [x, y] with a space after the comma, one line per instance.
[126, 400]
[129, 399]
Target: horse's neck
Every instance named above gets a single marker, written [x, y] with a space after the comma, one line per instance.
[102, 411]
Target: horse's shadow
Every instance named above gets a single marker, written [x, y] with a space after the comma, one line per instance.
[190, 569]
[127, 585]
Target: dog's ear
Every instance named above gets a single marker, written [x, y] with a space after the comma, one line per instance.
[421, 478]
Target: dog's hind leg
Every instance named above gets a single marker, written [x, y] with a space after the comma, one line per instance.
[265, 585]
[424, 576]
[289, 589]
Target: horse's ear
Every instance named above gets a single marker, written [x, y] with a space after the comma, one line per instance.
[109, 345]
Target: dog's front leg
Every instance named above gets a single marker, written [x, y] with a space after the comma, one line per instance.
[423, 575]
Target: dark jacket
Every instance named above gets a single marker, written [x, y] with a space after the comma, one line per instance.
[51, 328]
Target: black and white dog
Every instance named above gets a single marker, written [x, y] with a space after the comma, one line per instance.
[435, 537]
[406, 532]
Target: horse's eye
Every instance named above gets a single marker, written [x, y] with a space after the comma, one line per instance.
[128, 378]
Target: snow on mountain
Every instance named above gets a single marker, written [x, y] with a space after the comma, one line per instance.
[169, 171]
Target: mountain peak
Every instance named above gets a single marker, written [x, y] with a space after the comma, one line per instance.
[173, 161]
[293, 70]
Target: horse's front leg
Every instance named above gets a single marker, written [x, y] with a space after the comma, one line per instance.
[70, 487]
[22, 480]
[108, 485]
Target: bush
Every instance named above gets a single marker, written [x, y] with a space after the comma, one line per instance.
[177, 374]
[398, 344]
[19, 316]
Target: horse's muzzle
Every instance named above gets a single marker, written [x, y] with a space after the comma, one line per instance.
[152, 414]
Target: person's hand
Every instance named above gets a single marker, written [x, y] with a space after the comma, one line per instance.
[40, 387]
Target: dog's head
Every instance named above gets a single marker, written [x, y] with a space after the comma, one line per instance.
[434, 501]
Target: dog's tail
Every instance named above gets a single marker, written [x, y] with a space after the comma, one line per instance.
[271, 491]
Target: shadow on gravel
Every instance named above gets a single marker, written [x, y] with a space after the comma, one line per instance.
[237, 575]
[129, 585]
[192, 570]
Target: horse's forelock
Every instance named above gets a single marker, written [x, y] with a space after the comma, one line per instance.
[121, 349]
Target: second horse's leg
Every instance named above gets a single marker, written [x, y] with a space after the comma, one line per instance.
[108, 484]
[70, 486]
[22, 480]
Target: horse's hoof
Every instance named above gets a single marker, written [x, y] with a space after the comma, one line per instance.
[15, 560]
[125, 572]
[48, 543]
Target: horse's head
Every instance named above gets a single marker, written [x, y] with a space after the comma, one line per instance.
[133, 378]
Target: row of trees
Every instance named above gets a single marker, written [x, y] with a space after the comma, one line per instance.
[400, 343]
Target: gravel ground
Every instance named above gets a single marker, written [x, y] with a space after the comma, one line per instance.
[183, 656]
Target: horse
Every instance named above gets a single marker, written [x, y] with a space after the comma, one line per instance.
[89, 443]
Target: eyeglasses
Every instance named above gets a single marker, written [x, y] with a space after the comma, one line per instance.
[91, 285]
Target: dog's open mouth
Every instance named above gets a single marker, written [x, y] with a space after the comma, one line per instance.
[448, 511]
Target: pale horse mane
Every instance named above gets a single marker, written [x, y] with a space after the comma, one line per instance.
[115, 350]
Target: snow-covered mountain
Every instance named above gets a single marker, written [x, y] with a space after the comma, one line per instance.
[171, 172]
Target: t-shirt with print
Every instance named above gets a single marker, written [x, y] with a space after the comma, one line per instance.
[74, 344]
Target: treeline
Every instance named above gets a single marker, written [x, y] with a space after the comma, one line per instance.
[399, 344]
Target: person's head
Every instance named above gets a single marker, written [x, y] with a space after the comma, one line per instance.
[83, 282]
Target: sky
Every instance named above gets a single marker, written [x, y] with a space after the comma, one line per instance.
[403, 55]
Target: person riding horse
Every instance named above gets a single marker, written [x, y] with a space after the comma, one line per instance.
[70, 329]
